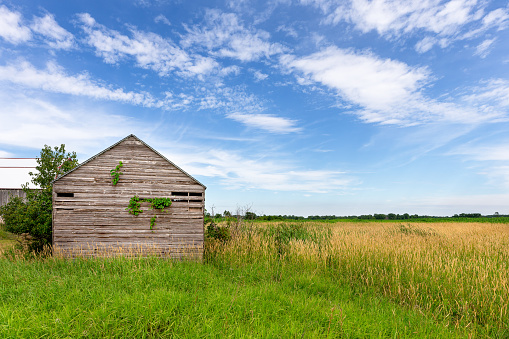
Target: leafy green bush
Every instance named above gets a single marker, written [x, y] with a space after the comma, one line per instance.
[33, 215]
[221, 233]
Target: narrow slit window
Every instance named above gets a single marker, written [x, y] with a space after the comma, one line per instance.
[195, 194]
[180, 194]
[67, 195]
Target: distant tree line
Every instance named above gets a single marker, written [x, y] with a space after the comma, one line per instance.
[390, 216]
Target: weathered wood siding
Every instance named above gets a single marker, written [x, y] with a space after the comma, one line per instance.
[94, 221]
[7, 193]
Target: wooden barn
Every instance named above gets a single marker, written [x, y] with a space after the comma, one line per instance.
[90, 208]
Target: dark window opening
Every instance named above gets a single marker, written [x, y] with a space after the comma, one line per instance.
[69, 195]
[195, 200]
[195, 194]
[180, 194]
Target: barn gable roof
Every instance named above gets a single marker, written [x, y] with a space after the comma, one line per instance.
[120, 141]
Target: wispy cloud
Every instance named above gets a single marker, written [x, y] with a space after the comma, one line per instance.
[483, 49]
[259, 76]
[81, 127]
[382, 90]
[162, 19]
[362, 78]
[487, 151]
[56, 36]
[12, 28]
[150, 50]
[266, 122]
[440, 21]
[224, 35]
[239, 172]
[489, 94]
[54, 79]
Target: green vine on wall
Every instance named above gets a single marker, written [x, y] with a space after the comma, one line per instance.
[153, 221]
[115, 173]
[134, 206]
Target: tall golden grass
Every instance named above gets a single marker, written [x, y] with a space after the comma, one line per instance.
[458, 272]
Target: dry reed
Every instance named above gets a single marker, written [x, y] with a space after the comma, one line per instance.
[458, 272]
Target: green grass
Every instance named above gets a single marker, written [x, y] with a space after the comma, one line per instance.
[6, 239]
[275, 280]
[123, 298]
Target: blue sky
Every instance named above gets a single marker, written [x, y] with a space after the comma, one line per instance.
[286, 107]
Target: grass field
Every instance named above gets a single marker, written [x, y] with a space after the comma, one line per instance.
[6, 239]
[276, 279]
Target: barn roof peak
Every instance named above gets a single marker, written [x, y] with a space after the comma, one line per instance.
[120, 141]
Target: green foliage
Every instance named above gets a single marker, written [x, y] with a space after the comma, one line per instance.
[158, 203]
[33, 215]
[52, 163]
[217, 232]
[250, 215]
[134, 205]
[283, 233]
[153, 221]
[115, 173]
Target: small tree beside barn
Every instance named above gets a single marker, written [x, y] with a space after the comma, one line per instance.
[128, 199]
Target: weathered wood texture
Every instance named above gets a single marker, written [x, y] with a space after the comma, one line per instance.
[95, 222]
[7, 193]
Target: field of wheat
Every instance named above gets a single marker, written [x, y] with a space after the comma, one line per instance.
[457, 272]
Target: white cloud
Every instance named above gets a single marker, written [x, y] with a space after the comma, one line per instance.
[385, 91]
[425, 44]
[161, 18]
[80, 127]
[393, 18]
[240, 172]
[483, 49]
[235, 70]
[498, 152]
[266, 122]
[290, 31]
[225, 36]
[54, 79]
[259, 76]
[230, 100]
[362, 78]
[57, 37]
[11, 27]
[498, 18]
[493, 93]
[13, 30]
[225, 99]
[454, 19]
[151, 51]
